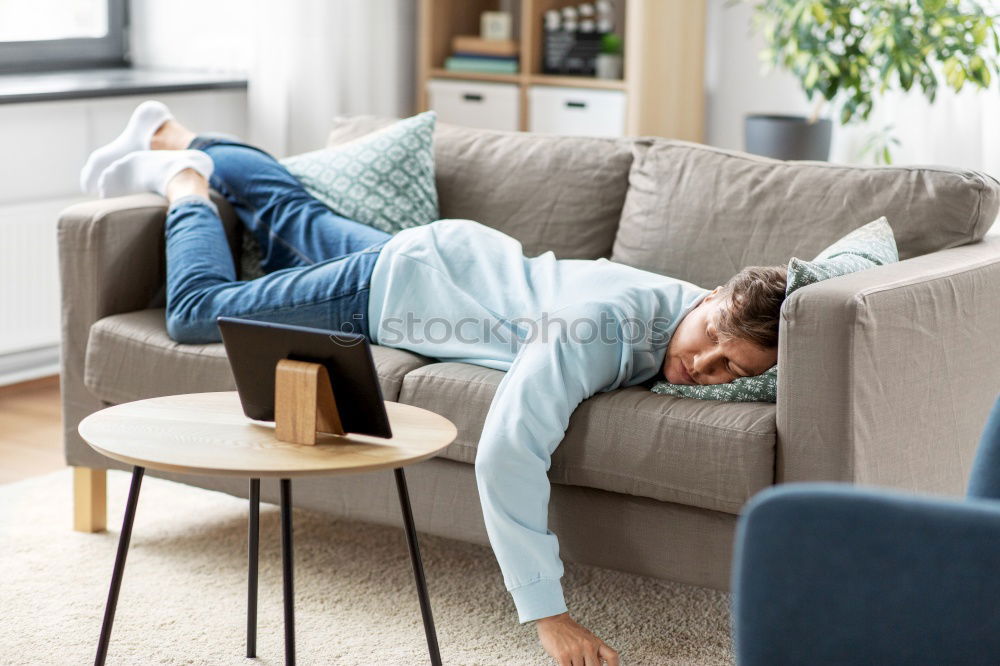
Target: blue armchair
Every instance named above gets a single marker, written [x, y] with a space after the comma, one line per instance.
[827, 573]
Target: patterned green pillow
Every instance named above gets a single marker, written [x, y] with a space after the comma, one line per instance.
[866, 247]
[384, 179]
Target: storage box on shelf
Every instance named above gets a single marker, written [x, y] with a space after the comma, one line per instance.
[476, 103]
[661, 94]
[576, 111]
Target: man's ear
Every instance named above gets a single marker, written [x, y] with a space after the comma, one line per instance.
[711, 295]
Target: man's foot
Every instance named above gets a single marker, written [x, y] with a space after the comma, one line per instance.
[151, 171]
[570, 643]
[171, 136]
[186, 183]
[145, 120]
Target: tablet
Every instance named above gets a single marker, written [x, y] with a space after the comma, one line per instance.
[255, 347]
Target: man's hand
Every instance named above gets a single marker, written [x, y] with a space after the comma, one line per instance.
[572, 644]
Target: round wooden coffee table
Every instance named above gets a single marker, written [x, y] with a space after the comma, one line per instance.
[207, 433]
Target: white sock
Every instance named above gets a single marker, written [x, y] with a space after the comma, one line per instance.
[150, 171]
[145, 120]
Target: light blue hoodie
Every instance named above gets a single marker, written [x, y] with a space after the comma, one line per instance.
[563, 329]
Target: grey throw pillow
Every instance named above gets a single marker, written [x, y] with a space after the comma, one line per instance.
[866, 247]
[384, 179]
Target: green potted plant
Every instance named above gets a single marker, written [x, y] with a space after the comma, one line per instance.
[845, 53]
[608, 64]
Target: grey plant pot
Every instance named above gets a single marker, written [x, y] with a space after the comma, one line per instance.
[787, 137]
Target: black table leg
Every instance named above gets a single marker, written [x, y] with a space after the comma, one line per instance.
[253, 548]
[286, 561]
[418, 568]
[119, 570]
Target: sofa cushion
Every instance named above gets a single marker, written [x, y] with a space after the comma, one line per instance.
[557, 193]
[131, 357]
[632, 441]
[384, 179]
[701, 214]
[866, 247]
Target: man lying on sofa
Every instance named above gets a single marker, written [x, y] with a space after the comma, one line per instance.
[562, 330]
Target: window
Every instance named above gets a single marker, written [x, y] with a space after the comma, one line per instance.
[61, 34]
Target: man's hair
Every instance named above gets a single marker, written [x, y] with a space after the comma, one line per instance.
[752, 304]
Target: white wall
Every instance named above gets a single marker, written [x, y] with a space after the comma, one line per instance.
[959, 130]
[734, 84]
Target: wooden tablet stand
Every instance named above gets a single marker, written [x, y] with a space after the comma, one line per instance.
[304, 403]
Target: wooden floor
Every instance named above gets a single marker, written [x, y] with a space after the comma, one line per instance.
[30, 429]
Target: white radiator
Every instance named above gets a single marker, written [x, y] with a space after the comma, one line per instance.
[44, 144]
[29, 277]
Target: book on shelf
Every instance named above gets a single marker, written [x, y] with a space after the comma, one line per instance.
[481, 65]
[479, 46]
[482, 56]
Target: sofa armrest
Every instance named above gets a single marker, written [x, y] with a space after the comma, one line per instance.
[887, 375]
[111, 260]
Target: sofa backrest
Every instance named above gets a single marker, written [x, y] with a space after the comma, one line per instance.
[685, 209]
[557, 193]
[701, 214]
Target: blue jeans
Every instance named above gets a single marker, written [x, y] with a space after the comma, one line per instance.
[319, 264]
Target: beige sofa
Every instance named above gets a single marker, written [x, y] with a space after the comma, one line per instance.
[886, 375]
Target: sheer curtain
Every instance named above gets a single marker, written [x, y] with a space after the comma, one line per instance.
[959, 129]
[306, 61]
[316, 59]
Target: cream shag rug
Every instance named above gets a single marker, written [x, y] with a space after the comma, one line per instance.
[184, 593]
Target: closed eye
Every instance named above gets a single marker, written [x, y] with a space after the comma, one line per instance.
[715, 340]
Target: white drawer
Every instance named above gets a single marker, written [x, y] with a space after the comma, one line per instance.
[577, 111]
[474, 104]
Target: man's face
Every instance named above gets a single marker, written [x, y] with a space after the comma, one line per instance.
[697, 354]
